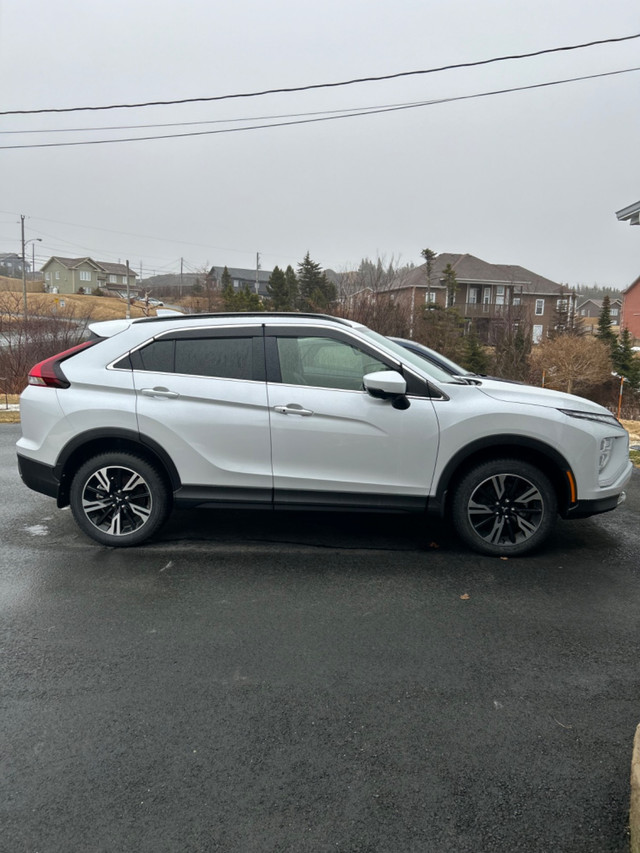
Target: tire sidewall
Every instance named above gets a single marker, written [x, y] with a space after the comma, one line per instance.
[469, 483]
[160, 501]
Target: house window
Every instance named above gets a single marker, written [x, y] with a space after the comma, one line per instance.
[500, 294]
[47, 276]
[85, 275]
[562, 304]
[486, 296]
[113, 279]
[474, 295]
[537, 334]
[430, 297]
[539, 307]
[516, 300]
[57, 274]
[614, 312]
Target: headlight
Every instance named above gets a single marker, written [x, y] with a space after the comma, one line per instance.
[606, 446]
[608, 419]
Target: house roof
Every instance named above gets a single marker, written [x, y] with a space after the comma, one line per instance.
[597, 302]
[632, 286]
[104, 266]
[245, 275]
[472, 270]
[630, 214]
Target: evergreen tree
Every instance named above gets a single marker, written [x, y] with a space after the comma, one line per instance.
[604, 330]
[292, 287]
[474, 356]
[624, 361]
[451, 283]
[238, 300]
[228, 293]
[316, 291]
[513, 347]
[225, 279]
[429, 256]
[248, 300]
[441, 329]
[278, 291]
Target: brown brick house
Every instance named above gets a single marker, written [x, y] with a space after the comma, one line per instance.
[491, 295]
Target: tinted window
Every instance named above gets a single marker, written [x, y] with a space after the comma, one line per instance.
[325, 363]
[158, 357]
[226, 358]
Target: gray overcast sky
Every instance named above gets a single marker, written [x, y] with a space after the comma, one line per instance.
[531, 178]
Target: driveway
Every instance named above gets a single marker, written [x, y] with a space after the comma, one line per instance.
[259, 682]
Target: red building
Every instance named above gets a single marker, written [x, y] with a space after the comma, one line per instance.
[631, 309]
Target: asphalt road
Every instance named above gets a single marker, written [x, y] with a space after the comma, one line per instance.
[259, 682]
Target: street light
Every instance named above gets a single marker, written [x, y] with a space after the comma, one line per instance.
[24, 266]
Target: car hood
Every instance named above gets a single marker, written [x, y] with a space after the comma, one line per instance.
[533, 396]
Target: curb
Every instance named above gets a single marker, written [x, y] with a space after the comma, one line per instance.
[634, 806]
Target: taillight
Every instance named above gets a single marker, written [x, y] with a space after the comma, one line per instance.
[48, 373]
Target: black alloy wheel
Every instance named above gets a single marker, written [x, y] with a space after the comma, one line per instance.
[119, 499]
[504, 507]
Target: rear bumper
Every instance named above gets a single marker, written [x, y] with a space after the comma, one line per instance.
[41, 478]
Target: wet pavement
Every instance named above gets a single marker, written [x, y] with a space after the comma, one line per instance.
[297, 682]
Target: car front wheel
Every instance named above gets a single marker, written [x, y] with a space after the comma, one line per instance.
[119, 499]
[504, 507]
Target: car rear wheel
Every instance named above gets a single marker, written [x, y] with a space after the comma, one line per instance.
[119, 499]
[504, 507]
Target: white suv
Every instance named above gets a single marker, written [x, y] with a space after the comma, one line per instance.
[309, 412]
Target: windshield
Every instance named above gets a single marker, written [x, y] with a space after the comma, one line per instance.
[411, 357]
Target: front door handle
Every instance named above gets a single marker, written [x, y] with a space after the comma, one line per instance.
[159, 392]
[293, 409]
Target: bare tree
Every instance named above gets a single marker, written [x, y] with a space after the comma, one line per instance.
[379, 311]
[373, 276]
[47, 330]
[571, 363]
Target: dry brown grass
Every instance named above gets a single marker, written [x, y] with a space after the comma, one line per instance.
[100, 307]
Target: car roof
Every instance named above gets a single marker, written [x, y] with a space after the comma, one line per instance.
[167, 317]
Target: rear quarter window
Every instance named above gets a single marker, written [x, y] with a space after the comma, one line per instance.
[224, 358]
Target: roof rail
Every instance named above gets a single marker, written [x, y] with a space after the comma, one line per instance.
[256, 314]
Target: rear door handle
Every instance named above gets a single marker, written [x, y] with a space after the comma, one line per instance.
[293, 409]
[159, 392]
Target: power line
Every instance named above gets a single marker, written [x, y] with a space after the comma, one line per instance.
[325, 117]
[337, 84]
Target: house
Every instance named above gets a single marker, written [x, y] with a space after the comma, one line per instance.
[490, 295]
[11, 265]
[631, 309]
[255, 280]
[589, 310]
[84, 275]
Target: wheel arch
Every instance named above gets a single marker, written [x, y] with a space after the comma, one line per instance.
[526, 449]
[93, 442]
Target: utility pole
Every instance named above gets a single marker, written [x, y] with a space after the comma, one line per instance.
[24, 264]
[181, 269]
[128, 314]
[257, 268]
[24, 273]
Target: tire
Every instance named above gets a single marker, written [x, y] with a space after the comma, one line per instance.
[504, 508]
[119, 499]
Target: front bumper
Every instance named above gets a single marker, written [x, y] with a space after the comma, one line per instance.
[585, 509]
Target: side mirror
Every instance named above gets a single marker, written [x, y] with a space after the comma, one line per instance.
[387, 385]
